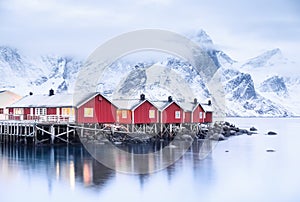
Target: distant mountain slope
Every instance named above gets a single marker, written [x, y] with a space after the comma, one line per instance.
[266, 85]
[24, 75]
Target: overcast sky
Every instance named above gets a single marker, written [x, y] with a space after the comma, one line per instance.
[241, 28]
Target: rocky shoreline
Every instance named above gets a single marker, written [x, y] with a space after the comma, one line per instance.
[219, 131]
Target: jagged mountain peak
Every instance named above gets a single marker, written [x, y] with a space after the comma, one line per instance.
[274, 84]
[9, 54]
[268, 58]
[201, 38]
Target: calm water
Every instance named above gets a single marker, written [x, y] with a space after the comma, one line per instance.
[246, 172]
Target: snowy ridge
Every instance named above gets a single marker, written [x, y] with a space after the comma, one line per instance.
[23, 75]
[266, 85]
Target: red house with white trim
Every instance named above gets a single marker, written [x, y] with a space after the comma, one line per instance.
[51, 108]
[172, 113]
[96, 109]
[135, 111]
[198, 114]
[145, 113]
[208, 113]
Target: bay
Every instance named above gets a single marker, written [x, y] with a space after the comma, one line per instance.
[237, 169]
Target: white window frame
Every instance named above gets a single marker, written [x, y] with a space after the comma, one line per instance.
[88, 112]
[41, 111]
[151, 114]
[18, 111]
[124, 114]
[177, 115]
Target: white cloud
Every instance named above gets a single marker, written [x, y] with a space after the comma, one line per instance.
[243, 28]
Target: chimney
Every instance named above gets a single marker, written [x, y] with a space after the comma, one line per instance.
[142, 97]
[195, 101]
[30, 93]
[51, 92]
[209, 102]
[170, 99]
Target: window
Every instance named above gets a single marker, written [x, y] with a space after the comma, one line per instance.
[201, 115]
[18, 111]
[124, 114]
[151, 114]
[177, 114]
[88, 112]
[204, 115]
[68, 111]
[40, 111]
[1, 111]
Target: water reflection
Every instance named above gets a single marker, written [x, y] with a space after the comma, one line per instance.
[246, 173]
[74, 166]
[71, 164]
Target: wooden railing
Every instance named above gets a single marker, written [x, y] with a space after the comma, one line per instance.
[42, 118]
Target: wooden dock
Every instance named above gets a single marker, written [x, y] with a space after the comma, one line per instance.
[31, 132]
[50, 133]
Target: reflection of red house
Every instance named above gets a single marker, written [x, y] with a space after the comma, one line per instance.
[96, 109]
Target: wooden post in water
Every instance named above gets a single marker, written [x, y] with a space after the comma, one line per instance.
[81, 130]
[25, 135]
[35, 134]
[67, 133]
[52, 131]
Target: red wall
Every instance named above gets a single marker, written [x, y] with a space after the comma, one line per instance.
[104, 111]
[168, 115]
[196, 115]
[187, 117]
[141, 114]
[26, 112]
[51, 111]
[208, 118]
[126, 120]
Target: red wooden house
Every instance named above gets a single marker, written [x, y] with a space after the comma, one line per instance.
[123, 113]
[96, 109]
[187, 116]
[145, 113]
[134, 111]
[171, 113]
[208, 113]
[198, 114]
[53, 108]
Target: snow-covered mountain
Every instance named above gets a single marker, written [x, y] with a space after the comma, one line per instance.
[23, 75]
[266, 85]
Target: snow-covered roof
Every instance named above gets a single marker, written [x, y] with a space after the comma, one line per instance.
[127, 103]
[7, 98]
[57, 100]
[188, 106]
[207, 108]
[162, 105]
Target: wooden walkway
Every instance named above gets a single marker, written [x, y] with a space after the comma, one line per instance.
[30, 132]
[38, 133]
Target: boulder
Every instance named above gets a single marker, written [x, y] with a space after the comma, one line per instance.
[217, 137]
[253, 128]
[271, 133]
